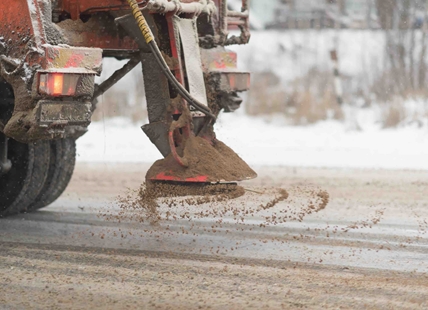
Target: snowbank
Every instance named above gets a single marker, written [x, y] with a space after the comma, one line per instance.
[326, 144]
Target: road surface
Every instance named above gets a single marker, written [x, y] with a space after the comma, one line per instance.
[366, 248]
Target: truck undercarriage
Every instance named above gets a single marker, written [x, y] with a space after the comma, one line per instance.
[50, 53]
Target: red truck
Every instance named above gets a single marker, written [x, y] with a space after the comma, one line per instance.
[50, 53]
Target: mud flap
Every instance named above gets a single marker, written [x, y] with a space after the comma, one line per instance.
[192, 56]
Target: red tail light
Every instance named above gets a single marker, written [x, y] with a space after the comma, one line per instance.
[58, 84]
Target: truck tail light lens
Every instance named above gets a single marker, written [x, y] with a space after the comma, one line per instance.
[58, 84]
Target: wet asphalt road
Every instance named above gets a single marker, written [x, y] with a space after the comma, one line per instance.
[375, 220]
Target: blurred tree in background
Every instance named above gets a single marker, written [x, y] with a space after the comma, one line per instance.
[405, 26]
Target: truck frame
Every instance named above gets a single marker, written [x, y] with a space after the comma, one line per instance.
[50, 53]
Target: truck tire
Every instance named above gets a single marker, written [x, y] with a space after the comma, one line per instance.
[20, 186]
[61, 167]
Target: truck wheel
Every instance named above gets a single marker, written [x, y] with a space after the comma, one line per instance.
[20, 186]
[61, 167]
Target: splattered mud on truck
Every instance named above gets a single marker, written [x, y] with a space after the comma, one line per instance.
[50, 53]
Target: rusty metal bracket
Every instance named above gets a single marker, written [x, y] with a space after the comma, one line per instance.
[183, 125]
[195, 8]
[5, 59]
[116, 77]
[228, 20]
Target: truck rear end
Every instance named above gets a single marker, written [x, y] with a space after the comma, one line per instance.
[50, 53]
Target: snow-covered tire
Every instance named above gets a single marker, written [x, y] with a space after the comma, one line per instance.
[61, 167]
[23, 183]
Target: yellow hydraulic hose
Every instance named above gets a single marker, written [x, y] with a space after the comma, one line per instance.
[141, 21]
[150, 40]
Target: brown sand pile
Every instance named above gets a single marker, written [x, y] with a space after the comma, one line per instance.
[218, 162]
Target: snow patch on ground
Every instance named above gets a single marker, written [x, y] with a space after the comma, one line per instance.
[259, 142]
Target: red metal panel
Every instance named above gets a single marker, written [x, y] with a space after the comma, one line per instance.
[76, 7]
[58, 57]
[179, 74]
[15, 26]
[165, 177]
[98, 38]
[99, 33]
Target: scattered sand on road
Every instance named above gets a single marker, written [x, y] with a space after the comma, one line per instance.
[97, 275]
[34, 277]
[154, 202]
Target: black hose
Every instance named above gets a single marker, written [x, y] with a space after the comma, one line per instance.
[145, 30]
[177, 85]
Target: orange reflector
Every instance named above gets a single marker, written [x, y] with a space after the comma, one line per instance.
[58, 84]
